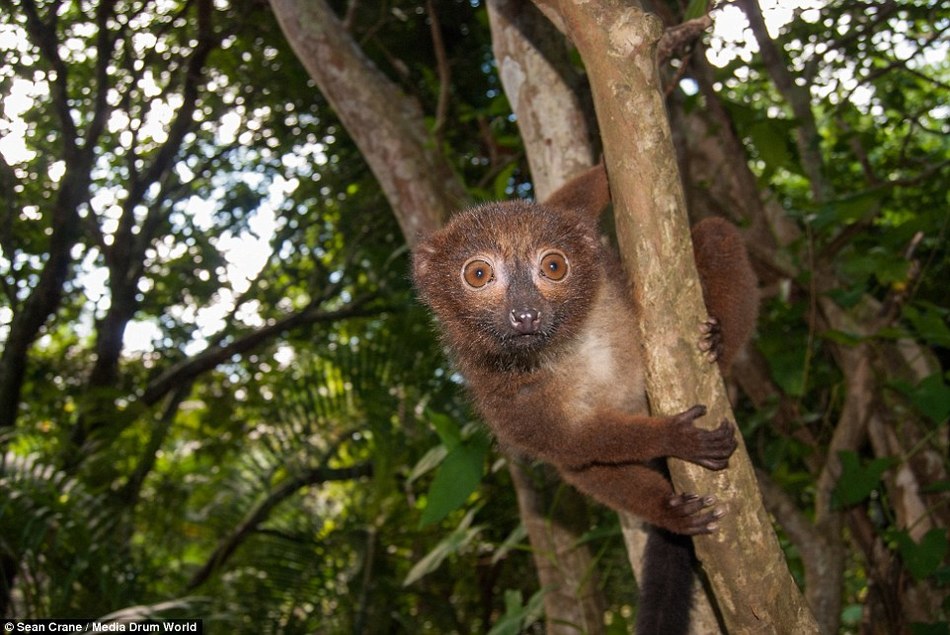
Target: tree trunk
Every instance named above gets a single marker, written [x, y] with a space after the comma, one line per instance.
[125, 254]
[542, 88]
[79, 153]
[718, 170]
[718, 177]
[752, 585]
[386, 125]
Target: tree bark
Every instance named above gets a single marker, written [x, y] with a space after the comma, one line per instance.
[542, 88]
[752, 585]
[718, 178]
[555, 118]
[386, 125]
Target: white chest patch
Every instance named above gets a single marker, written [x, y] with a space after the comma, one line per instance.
[597, 361]
[602, 371]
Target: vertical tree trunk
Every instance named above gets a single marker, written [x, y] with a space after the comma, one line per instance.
[541, 86]
[752, 585]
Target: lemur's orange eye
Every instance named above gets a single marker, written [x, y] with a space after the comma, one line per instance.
[554, 266]
[477, 273]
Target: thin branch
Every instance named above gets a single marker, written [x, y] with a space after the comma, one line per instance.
[363, 603]
[105, 46]
[860, 226]
[895, 64]
[677, 38]
[184, 118]
[261, 511]
[821, 550]
[46, 295]
[8, 212]
[122, 258]
[884, 570]
[798, 98]
[129, 493]
[211, 357]
[44, 37]
[796, 525]
[863, 31]
[444, 72]
[351, 8]
[897, 297]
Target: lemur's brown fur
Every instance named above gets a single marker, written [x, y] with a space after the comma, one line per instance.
[535, 311]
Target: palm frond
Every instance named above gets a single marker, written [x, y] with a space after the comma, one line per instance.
[60, 536]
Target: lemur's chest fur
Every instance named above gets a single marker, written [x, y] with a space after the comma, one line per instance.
[597, 368]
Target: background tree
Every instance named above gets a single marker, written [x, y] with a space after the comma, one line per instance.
[283, 436]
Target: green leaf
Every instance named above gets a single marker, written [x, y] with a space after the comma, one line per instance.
[841, 337]
[847, 297]
[936, 487]
[931, 396]
[851, 614]
[446, 427]
[510, 622]
[930, 322]
[858, 481]
[770, 138]
[886, 267]
[786, 363]
[852, 208]
[429, 461]
[515, 538]
[517, 615]
[923, 558]
[458, 476]
[453, 543]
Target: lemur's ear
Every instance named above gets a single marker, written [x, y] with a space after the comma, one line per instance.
[588, 192]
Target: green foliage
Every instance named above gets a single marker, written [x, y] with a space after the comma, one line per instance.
[518, 614]
[870, 229]
[457, 540]
[63, 537]
[696, 9]
[458, 462]
[857, 481]
[770, 138]
[785, 348]
[931, 397]
[922, 559]
[263, 160]
[457, 476]
[929, 321]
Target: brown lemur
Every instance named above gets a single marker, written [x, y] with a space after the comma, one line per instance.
[535, 310]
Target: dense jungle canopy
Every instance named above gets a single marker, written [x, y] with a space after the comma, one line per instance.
[220, 399]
